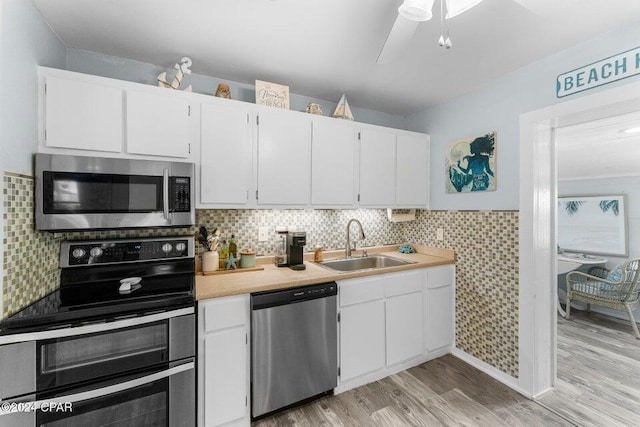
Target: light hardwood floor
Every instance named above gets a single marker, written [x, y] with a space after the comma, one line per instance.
[598, 372]
[442, 392]
[598, 385]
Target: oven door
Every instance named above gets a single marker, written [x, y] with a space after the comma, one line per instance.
[154, 399]
[62, 358]
[70, 360]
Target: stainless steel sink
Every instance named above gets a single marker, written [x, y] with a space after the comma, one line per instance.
[366, 263]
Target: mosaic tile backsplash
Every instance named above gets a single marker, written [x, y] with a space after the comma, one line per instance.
[486, 246]
[30, 263]
[31, 257]
[326, 228]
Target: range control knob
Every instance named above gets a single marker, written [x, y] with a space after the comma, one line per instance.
[166, 248]
[78, 253]
[180, 247]
[95, 252]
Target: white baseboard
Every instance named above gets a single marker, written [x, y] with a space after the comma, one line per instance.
[504, 378]
[385, 372]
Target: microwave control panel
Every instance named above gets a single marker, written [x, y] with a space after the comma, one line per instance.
[180, 194]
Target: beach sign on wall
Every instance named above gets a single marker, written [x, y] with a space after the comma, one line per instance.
[608, 70]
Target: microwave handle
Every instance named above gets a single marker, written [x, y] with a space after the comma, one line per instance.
[165, 193]
[116, 388]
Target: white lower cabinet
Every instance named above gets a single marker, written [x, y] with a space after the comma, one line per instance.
[387, 323]
[393, 321]
[223, 362]
[404, 319]
[439, 301]
[361, 339]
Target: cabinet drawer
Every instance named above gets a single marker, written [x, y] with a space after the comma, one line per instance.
[403, 283]
[440, 276]
[361, 290]
[225, 312]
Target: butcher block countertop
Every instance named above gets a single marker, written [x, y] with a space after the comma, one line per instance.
[274, 278]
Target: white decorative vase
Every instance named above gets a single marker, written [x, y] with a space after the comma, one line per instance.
[210, 260]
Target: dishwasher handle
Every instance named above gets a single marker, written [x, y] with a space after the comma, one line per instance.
[267, 299]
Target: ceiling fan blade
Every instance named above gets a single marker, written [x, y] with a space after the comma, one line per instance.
[546, 8]
[398, 39]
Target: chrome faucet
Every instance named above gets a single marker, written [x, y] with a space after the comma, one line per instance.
[347, 250]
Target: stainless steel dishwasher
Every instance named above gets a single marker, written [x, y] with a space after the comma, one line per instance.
[293, 346]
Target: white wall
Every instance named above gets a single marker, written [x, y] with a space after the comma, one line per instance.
[99, 64]
[497, 106]
[26, 41]
[623, 185]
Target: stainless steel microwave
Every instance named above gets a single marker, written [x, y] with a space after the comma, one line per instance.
[90, 193]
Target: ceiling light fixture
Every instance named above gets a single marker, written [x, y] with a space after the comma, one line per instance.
[631, 130]
[456, 7]
[441, 41]
[416, 10]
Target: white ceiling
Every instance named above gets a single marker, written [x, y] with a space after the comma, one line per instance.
[322, 48]
[599, 148]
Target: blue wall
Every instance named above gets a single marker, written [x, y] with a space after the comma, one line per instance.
[26, 42]
[99, 64]
[497, 106]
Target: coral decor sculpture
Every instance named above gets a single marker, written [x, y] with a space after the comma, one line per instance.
[183, 68]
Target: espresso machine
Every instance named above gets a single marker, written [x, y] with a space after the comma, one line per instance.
[295, 248]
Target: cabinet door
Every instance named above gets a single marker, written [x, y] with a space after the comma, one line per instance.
[377, 168]
[439, 316]
[157, 125]
[412, 166]
[82, 116]
[404, 327]
[225, 155]
[333, 163]
[439, 307]
[284, 158]
[361, 339]
[225, 376]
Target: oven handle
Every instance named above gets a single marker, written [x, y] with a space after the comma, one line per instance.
[165, 193]
[100, 392]
[93, 328]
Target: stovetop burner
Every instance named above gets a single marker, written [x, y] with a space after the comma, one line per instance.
[95, 285]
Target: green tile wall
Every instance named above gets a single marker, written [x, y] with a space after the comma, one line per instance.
[486, 246]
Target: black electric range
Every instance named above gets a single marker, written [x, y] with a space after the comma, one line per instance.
[112, 279]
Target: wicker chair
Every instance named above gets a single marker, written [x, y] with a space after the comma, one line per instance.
[593, 288]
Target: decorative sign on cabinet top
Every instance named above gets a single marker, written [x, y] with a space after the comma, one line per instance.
[608, 70]
[272, 94]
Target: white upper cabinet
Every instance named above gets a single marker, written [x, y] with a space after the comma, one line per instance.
[284, 158]
[158, 125]
[412, 170]
[333, 163]
[82, 116]
[377, 168]
[225, 156]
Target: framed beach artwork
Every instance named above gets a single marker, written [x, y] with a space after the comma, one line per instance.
[471, 164]
[593, 224]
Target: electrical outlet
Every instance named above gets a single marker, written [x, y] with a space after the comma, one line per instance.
[263, 234]
[439, 234]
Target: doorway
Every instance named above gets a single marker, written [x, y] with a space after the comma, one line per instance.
[538, 240]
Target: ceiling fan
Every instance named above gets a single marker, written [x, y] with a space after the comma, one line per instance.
[412, 12]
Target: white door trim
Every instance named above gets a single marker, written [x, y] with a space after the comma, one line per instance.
[537, 277]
